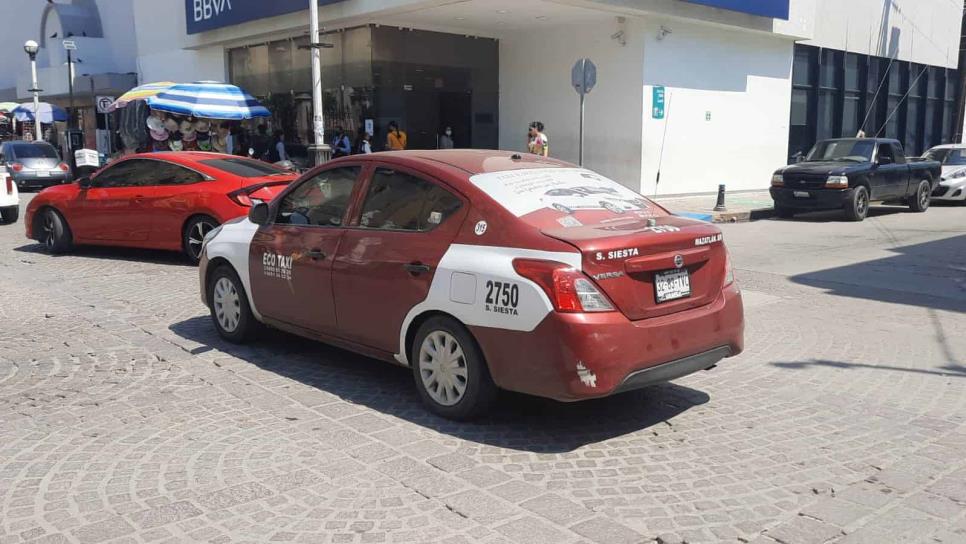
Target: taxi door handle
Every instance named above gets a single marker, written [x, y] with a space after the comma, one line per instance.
[315, 254]
[416, 268]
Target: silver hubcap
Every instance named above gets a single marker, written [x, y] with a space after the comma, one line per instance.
[227, 304]
[49, 230]
[923, 196]
[442, 367]
[196, 237]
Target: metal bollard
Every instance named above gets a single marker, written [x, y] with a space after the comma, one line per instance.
[720, 204]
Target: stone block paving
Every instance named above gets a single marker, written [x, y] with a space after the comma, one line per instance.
[124, 418]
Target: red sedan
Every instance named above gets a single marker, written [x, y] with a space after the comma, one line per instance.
[481, 270]
[154, 200]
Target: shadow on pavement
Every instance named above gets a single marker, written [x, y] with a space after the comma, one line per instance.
[952, 370]
[150, 256]
[929, 275]
[838, 216]
[518, 422]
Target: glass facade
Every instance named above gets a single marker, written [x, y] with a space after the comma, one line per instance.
[373, 75]
[836, 94]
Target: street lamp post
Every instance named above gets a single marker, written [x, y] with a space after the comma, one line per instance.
[322, 151]
[31, 49]
[70, 47]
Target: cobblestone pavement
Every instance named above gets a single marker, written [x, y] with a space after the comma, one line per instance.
[123, 418]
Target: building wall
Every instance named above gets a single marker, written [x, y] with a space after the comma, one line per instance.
[535, 85]
[727, 112]
[161, 42]
[115, 53]
[922, 31]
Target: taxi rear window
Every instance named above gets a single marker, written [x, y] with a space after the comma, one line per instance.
[564, 197]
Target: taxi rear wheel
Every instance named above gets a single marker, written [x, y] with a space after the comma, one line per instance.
[230, 312]
[450, 373]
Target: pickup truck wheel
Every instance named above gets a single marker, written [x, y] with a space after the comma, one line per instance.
[857, 207]
[919, 202]
[783, 212]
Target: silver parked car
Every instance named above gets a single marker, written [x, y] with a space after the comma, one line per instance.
[33, 165]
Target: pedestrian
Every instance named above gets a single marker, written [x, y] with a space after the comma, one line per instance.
[278, 152]
[365, 145]
[538, 143]
[396, 141]
[341, 146]
[446, 139]
[261, 143]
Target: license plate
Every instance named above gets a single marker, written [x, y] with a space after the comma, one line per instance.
[802, 194]
[43, 174]
[672, 285]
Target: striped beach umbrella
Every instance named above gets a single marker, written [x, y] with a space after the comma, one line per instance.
[7, 107]
[209, 100]
[141, 92]
[47, 114]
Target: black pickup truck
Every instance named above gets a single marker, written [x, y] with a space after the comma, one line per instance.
[850, 173]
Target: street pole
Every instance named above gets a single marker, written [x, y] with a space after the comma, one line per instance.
[70, 89]
[580, 149]
[31, 48]
[318, 119]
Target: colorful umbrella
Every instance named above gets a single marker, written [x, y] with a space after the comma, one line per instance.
[7, 107]
[48, 113]
[142, 92]
[208, 99]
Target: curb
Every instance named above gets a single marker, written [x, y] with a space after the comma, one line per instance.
[743, 216]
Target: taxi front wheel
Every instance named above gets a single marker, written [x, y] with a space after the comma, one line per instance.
[451, 375]
[229, 306]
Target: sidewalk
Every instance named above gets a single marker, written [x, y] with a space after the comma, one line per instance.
[741, 206]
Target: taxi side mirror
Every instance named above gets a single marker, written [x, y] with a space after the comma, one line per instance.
[259, 214]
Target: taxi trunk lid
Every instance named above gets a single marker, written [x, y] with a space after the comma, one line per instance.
[629, 259]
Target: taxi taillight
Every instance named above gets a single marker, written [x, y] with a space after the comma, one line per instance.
[9, 184]
[569, 290]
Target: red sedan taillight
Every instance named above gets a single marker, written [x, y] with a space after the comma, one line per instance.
[241, 199]
[63, 166]
[569, 289]
[16, 166]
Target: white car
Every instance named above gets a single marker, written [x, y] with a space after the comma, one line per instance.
[952, 185]
[569, 199]
[9, 198]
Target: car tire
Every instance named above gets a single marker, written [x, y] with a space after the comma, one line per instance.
[920, 201]
[444, 350]
[784, 212]
[228, 302]
[10, 214]
[857, 207]
[54, 232]
[194, 234]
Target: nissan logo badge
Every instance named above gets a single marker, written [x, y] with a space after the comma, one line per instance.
[678, 261]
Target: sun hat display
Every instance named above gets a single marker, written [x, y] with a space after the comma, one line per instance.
[188, 131]
[171, 124]
[154, 124]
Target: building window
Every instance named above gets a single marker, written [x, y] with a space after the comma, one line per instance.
[837, 94]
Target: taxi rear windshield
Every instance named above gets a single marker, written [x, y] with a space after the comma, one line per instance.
[565, 197]
[245, 168]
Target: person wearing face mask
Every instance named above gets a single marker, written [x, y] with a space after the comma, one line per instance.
[446, 139]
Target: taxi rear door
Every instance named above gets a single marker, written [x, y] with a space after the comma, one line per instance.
[291, 258]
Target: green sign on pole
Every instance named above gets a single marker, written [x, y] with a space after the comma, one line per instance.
[657, 110]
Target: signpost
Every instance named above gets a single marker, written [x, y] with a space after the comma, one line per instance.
[103, 106]
[583, 77]
[657, 100]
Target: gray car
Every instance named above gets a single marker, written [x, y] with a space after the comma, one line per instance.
[33, 165]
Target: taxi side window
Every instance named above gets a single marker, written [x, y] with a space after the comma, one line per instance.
[400, 201]
[320, 201]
